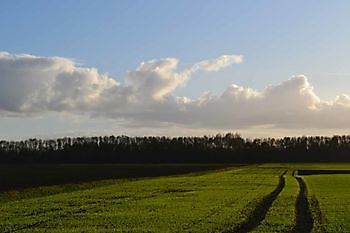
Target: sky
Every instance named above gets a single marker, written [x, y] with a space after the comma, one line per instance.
[259, 68]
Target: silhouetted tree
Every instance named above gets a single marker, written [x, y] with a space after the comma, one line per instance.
[228, 148]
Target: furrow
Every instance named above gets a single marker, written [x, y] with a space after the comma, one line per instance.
[260, 211]
[304, 221]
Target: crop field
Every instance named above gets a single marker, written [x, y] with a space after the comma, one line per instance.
[251, 198]
[14, 176]
[333, 195]
[281, 215]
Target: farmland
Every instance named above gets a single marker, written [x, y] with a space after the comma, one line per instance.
[251, 198]
[333, 195]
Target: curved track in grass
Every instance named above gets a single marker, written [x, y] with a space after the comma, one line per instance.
[304, 220]
[261, 209]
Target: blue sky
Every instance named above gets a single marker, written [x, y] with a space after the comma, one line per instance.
[278, 39]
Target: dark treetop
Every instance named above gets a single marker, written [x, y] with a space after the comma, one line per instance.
[229, 148]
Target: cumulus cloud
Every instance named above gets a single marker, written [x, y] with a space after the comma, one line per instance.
[32, 85]
[157, 79]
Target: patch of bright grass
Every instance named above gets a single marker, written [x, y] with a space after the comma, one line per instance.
[333, 195]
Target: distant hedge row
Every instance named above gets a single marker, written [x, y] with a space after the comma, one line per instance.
[229, 148]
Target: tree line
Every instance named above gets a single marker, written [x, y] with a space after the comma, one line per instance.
[220, 148]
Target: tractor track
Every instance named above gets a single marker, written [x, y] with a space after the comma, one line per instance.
[260, 210]
[304, 221]
[317, 216]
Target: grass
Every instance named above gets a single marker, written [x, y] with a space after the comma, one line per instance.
[333, 195]
[118, 198]
[209, 202]
[66, 178]
[15, 176]
[281, 216]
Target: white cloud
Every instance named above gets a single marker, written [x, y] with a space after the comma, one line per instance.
[218, 63]
[31, 85]
[155, 79]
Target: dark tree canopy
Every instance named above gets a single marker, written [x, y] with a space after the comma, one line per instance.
[229, 148]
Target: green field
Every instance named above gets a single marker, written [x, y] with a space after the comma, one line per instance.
[281, 216]
[254, 198]
[333, 195]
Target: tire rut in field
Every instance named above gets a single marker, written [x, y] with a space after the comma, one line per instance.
[26, 227]
[260, 211]
[317, 215]
[304, 221]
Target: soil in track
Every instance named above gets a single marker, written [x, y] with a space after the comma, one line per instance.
[317, 215]
[304, 221]
[260, 211]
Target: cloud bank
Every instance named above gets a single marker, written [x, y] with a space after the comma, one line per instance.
[32, 85]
